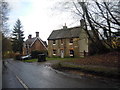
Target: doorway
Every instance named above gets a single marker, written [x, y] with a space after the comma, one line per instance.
[62, 53]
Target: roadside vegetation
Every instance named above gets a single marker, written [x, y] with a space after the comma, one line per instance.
[51, 59]
[102, 65]
[31, 60]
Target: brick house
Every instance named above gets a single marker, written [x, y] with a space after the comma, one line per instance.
[68, 42]
[33, 44]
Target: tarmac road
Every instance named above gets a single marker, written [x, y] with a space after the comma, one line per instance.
[39, 75]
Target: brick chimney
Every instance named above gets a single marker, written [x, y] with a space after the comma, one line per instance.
[37, 34]
[30, 36]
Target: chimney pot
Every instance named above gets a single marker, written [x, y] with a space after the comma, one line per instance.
[30, 36]
[65, 27]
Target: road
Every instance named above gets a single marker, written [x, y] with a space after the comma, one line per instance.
[19, 74]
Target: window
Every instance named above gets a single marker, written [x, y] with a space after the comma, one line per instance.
[71, 40]
[61, 41]
[54, 52]
[71, 53]
[54, 42]
[26, 46]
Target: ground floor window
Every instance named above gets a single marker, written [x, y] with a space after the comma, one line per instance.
[54, 52]
[71, 53]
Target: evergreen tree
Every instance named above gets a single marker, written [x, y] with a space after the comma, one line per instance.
[18, 37]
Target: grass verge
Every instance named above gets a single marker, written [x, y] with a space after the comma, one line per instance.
[31, 60]
[62, 59]
[96, 70]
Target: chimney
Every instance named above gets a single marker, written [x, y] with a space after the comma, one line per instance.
[82, 23]
[30, 36]
[37, 34]
[65, 27]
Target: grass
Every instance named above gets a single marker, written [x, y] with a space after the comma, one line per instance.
[31, 60]
[61, 58]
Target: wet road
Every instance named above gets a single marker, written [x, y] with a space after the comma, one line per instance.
[39, 75]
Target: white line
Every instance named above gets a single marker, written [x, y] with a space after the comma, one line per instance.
[23, 84]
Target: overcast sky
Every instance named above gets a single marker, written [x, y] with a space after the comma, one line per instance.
[39, 15]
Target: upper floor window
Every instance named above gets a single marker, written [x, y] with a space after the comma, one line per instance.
[54, 52]
[54, 42]
[61, 41]
[71, 40]
[26, 46]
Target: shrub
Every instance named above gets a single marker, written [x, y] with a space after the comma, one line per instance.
[97, 48]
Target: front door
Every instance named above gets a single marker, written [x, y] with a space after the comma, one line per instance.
[62, 54]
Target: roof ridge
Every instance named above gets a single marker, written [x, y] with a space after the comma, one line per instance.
[68, 28]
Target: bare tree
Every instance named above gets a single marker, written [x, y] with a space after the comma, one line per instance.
[4, 11]
[102, 18]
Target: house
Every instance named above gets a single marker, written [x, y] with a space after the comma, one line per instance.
[68, 42]
[33, 44]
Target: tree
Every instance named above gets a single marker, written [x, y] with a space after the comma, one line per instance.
[18, 37]
[4, 11]
[4, 40]
[6, 48]
[102, 18]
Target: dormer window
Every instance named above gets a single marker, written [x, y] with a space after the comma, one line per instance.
[54, 42]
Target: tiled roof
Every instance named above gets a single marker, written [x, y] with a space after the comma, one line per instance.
[65, 33]
[31, 40]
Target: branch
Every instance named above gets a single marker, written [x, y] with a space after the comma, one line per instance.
[111, 13]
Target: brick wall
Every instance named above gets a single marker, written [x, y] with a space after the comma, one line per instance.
[38, 46]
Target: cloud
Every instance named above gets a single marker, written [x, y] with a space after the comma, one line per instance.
[37, 15]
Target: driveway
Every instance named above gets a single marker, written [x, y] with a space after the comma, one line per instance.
[41, 75]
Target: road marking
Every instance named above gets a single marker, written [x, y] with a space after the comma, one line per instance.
[23, 84]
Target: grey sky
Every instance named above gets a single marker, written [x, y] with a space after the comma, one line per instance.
[39, 15]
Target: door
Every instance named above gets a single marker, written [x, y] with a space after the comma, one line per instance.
[62, 54]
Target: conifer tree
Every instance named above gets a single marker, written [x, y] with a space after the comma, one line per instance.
[18, 37]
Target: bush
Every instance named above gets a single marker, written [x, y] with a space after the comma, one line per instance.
[34, 54]
[8, 54]
[98, 48]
